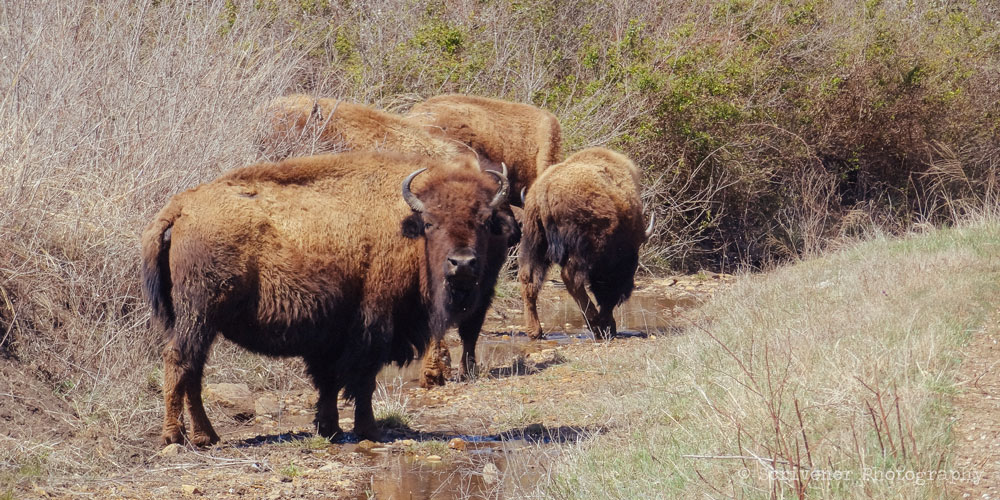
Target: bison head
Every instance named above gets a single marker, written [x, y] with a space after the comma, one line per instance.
[460, 214]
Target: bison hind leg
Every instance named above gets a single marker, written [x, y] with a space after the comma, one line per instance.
[184, 359]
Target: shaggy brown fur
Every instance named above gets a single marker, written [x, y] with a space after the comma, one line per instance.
[527, 139]
[318, 257]
[585, 215]
[344, 125]
[335, 125]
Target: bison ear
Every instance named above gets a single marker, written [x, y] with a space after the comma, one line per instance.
[505, 223]
[413, 226]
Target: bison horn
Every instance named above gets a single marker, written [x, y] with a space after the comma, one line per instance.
[522, 194]
[649, 228]
[411, 199]
[504, 187]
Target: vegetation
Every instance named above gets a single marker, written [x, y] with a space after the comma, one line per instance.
[767, 130]
[841, 364]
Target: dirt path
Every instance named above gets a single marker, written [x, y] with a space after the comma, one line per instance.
[977, 423]
[494, 436]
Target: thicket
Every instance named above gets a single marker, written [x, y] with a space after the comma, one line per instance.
[766, 129]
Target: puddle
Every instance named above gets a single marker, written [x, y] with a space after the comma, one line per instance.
[486, 469]
[647, 312]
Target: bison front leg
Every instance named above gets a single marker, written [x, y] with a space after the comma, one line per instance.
[324, 377]
[364, 417]
[469, 331]
[436, 367]
[574, 285]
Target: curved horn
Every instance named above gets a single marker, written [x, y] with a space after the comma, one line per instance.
[649, 228]
[522, 194]
[411, 199]
[504, 187]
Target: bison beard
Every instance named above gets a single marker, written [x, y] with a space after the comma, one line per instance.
[306, 258]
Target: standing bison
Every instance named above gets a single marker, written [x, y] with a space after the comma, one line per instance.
[334, 124]
[526, 138]
[585, 215]
[318, 257]
[331, 123]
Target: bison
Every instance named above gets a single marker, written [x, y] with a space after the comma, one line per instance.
[334, 124]
[526, 138]
[321, 257]
[585, 215]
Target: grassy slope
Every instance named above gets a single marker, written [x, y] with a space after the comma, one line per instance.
[864, 342]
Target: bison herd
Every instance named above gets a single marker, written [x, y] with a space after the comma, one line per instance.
[363, 258]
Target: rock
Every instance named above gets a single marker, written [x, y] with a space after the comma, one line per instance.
[190, 489]
[171, 450]
[229, 395]
[379, 449]
[366, 445]
[330, 466]
[433, 458]
[491, 474]
[457, 444]
[267, 404]
[406, 442]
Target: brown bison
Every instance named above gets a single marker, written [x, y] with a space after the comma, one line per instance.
[333, 124]
[318, 257]
[585, 215]
[526, 138]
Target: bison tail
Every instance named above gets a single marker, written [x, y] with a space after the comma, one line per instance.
[155, 270]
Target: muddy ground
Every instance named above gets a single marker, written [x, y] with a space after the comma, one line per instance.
[493, 437]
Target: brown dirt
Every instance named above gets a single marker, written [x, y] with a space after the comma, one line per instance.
[977, 425]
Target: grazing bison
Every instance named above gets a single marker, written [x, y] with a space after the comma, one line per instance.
[585, 215]
[526, 138]
[318, 257]
[333, 124]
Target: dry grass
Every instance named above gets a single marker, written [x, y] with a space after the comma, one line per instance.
[841, 363]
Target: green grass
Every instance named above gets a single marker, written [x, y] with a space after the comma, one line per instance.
[796, 366]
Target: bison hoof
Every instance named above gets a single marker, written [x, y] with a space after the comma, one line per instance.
[202, 439]
[330, 431]
[172, 436]
[371, 433]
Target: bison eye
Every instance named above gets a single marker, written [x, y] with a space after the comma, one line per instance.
[428, 226]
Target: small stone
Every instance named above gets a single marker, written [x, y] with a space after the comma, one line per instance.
[433, 458]
[379, 449]
[457, 444]
[230, 395]
[171, 450]
[366, 445]
[406, 442]
[330, 466]
[491, 474]
[190, 489]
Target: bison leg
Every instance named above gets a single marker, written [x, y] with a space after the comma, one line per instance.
[468, 331]
[327, 419]
[436, 367]
[183, 363]
[173, 396]
[576, 288]
[364, 416]
[202, 433]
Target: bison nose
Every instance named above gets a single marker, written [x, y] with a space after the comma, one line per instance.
[461, 261]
